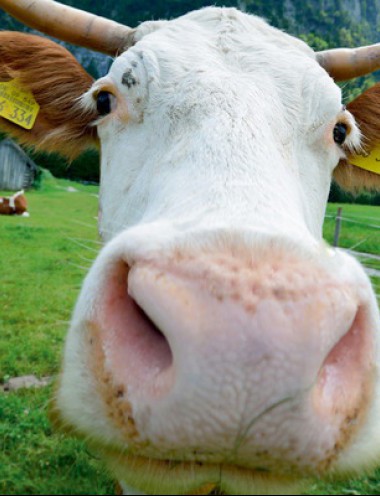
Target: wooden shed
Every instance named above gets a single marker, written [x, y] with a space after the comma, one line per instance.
[17, 170]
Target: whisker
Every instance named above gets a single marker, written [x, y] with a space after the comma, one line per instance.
[243, 435]
[81, 223]
[370, 261]
[108, 231]
[86, 269]
[93, 241]
[363, 255]
[373, 273]
[85, 259]
[82, 245]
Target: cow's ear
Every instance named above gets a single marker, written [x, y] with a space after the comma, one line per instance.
[361, 170]
[57, 81]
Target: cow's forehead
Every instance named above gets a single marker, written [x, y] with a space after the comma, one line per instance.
[214, 24]
[225, 39]
[218, 50]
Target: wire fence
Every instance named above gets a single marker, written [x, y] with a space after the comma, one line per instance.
[370, 261]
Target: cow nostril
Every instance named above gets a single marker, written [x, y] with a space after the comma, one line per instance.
[144, 316]
[138, 352]
[344, 377]
[153, 337]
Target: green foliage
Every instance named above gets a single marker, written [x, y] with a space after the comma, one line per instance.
[84, 168]
[337, 195]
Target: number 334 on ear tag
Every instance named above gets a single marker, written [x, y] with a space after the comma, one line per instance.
[18, 105]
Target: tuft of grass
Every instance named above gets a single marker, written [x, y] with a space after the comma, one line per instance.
[365, 485]
[35, 460]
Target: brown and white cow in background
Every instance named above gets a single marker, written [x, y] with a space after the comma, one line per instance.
[14, 205]
[218, 342]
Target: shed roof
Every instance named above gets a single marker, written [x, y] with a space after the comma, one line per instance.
[8, 142]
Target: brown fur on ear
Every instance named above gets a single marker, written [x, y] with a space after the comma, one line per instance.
[366, 110]
[57, 81]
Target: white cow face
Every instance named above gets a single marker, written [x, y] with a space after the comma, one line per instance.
[218, 342]
[218, 121]
[216, 327]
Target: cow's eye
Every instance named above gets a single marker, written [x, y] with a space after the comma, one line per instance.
[103, 103]
[340, 133]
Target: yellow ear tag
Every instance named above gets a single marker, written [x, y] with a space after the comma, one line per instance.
[369, 162]
[18, 105]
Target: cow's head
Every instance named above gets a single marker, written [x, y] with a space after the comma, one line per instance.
[218, 341]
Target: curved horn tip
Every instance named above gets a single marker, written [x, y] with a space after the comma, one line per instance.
[347, 63]
[71, 25]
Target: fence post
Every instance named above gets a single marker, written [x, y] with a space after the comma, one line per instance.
[338, 227]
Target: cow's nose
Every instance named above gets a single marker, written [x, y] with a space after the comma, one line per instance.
[201, 346]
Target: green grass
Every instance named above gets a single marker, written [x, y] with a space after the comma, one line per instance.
[41, 275]
[360, 232]
[43, 262]
[361, 227]
[34, 460]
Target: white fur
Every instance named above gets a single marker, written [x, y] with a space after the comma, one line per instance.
[260, 107]
[226, 135]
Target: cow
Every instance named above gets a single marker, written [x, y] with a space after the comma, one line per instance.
[14, 205]
[218, 344]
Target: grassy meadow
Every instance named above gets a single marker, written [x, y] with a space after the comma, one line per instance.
[44, 259]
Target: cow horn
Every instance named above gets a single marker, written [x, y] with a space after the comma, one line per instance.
[71, 25]
[347, 63]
